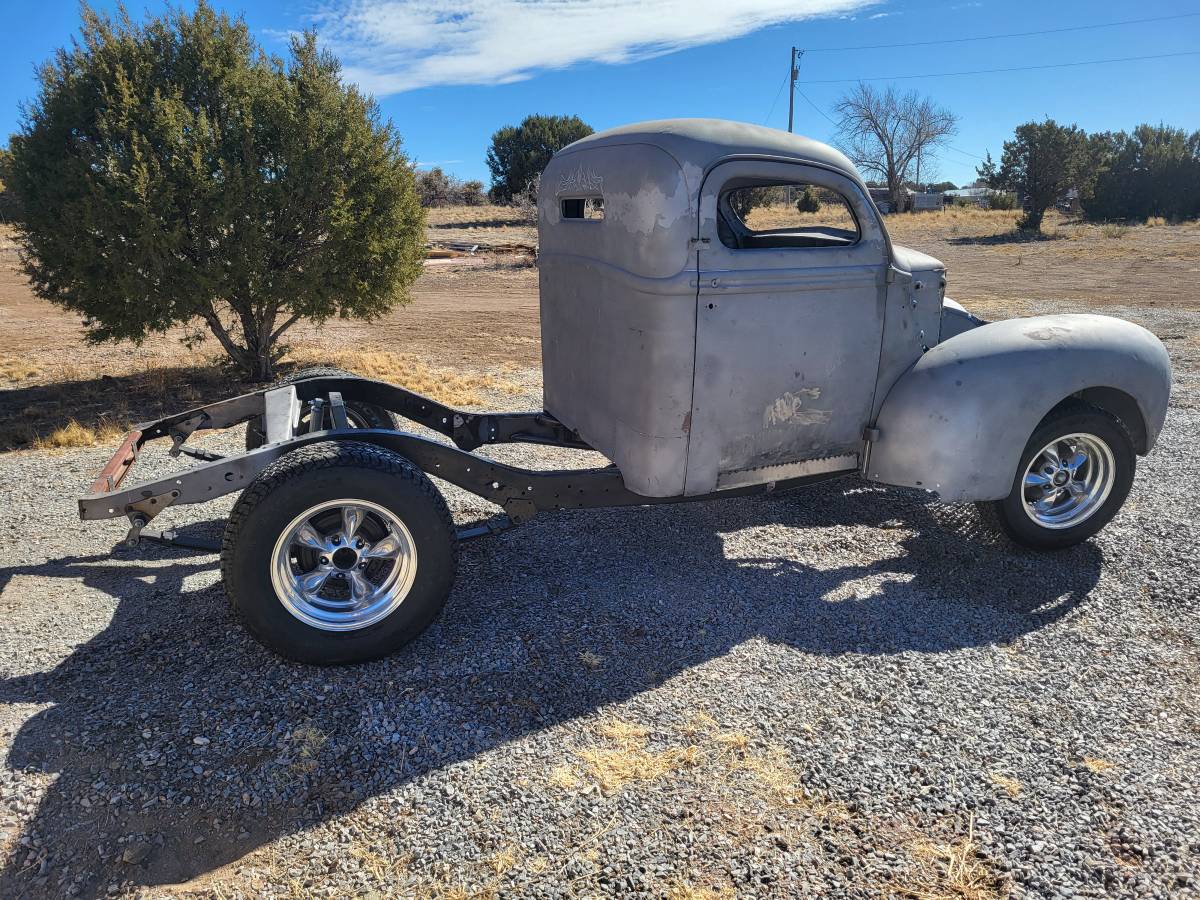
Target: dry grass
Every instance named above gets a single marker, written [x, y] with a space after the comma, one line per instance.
[487, 224]
[766, 771]
[1098, 766]
[503, 860]
[18, 368]
[306, 742]
[590, 659]
[774, 779]
[682, 890]
[955, 220]
[612, 768]
[1010, 785]
[407, 370]
[734, 741]
[700, 723]
[954, 870]
[564, 777]
[73, 435]
[784, 216]
[385, 868]
[457, 215]
[440, 891]
[625, 734]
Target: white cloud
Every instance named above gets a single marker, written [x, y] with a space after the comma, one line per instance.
[388, 46]
[437, 162]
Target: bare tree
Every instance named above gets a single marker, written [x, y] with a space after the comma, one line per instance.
[887, 133]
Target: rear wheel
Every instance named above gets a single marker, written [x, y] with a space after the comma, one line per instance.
[1074, 476]
[339, 552]
[359, 415]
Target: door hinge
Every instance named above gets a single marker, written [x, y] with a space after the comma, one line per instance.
[870, 434]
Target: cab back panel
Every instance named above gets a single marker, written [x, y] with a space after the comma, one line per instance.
[618, 309]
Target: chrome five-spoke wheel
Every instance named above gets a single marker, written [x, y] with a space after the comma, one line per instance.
[1068, 480]
[1073, 476]
[322, 575]
[343, 564]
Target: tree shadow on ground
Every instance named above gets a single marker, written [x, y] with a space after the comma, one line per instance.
[651, 591]
[1016, 236]
[477, 223]
[108, 402]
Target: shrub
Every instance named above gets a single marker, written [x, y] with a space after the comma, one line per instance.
[809, 202]
[1154, 171]
[525, 200]
[1001, 200]
[436, 188]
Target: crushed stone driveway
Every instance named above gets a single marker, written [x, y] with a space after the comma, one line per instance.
[845, 690]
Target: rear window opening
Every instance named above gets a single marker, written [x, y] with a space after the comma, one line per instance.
[588, 208]
[783, 216]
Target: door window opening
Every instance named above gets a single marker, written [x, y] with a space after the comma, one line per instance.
[753, 215]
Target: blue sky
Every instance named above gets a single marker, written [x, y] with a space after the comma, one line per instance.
[450, 73]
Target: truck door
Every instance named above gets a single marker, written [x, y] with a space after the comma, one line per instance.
[791, 271]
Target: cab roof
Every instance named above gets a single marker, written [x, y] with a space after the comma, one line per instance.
[702, 142]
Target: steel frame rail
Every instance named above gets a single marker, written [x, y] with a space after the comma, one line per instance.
[521, 493]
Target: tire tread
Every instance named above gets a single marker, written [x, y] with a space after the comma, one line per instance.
[311, 458]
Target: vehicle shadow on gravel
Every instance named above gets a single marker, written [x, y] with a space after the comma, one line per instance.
[180, 745]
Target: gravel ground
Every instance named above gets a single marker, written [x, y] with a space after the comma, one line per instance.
[845, 691]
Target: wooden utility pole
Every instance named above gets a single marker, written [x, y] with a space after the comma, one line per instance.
[792, 73]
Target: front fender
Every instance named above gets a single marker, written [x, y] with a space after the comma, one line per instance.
[957, 421]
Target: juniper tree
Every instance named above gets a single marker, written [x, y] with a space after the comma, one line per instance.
[170, 172]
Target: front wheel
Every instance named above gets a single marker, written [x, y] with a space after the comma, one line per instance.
[1074, 475]
[339, 552]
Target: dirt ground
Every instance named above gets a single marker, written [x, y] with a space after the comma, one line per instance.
[473, 314]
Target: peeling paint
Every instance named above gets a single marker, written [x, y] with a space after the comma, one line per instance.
[789, 409]
[1047, 332]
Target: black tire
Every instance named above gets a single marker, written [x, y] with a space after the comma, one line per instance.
[361, 415]
[303, 479]
[1009, 515]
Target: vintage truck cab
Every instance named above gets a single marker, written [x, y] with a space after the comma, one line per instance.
[702, 350]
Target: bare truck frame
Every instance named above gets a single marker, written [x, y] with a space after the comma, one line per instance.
[521, 493]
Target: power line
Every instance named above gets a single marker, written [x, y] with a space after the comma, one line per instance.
[964, 152]
[776, 100]
[1012, 34]
[1086, 62]
[817, 108]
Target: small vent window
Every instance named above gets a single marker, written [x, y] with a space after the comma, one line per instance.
[587, 208]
